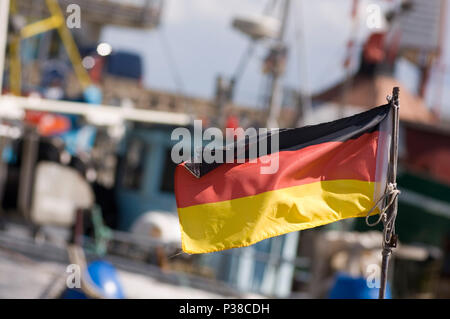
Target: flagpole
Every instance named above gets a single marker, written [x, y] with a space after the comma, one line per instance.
[391, 241]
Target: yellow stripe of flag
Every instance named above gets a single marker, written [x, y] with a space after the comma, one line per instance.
[244, 221]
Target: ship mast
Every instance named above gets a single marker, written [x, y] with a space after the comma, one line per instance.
[276, 91]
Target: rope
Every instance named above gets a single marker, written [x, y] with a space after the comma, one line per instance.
[389, 224]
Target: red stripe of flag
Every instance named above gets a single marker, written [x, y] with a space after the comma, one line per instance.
[352, 159]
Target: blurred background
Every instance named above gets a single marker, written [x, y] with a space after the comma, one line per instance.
[92, 89]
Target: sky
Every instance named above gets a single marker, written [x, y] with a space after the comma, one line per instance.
[203, 44]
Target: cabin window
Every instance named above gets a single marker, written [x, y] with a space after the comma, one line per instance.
[168, 175]
[134, 165]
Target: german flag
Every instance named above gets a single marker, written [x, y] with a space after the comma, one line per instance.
[326, 172]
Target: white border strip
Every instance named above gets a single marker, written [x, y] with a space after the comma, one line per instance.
[12, 107]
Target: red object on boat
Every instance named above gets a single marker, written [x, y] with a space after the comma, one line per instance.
[232, 123]
[374, 48]
[47, 123]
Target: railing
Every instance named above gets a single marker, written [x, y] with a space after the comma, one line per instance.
[120, 257]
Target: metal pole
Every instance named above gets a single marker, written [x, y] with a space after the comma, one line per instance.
[392, 210]
[276, 88]
[349, 58]
[4, 11]
[30, 151]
